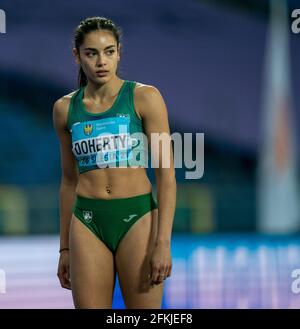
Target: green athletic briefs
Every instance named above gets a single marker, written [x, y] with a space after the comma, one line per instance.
[111, 219]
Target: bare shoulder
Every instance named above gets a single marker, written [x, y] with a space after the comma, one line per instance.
[61, 107]
[142, 90]
[145, 95]
[62, 104]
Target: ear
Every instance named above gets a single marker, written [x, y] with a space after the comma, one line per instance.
[76, 56]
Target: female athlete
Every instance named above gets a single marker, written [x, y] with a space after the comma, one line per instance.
[110, 223]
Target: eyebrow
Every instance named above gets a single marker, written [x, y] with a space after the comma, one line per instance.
[97, 49]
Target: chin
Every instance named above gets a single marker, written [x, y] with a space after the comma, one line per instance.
[101, 79]
[106, 78]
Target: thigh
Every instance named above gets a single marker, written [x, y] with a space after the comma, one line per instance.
[92, 270]
[132, 260]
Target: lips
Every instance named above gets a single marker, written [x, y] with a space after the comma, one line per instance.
[101, 71]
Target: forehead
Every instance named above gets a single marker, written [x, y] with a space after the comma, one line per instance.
[99, 39]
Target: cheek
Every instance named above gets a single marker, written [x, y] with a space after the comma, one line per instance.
[114, 60]
[87, 62]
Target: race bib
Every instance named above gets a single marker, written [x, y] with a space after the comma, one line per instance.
[102, 142]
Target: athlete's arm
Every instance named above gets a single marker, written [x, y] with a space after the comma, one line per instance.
[150, 105]
[68, 183]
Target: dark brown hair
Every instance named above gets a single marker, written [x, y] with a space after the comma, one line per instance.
[88, 25]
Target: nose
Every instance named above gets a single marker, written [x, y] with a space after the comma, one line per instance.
[100, 60]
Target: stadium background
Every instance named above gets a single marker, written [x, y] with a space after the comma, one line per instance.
[208, 59]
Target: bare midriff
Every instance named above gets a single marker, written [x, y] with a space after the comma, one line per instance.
[109, 183]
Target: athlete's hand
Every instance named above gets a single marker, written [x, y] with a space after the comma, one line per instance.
[161, 263]
[63, 270]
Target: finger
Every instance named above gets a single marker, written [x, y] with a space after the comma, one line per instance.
[169, 271]
[166, 272]
[159, 276]
[64, 281]
[160, 279]
[162, 276]
[154, 273]
[67, 278]
[65, 285]
[68, 273]
[61, 278]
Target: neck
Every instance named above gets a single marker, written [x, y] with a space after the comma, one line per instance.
[106, 90]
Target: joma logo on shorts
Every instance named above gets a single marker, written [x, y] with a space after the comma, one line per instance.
[130, 218]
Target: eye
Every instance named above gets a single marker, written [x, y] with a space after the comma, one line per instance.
[91, 54]
[110, 51]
